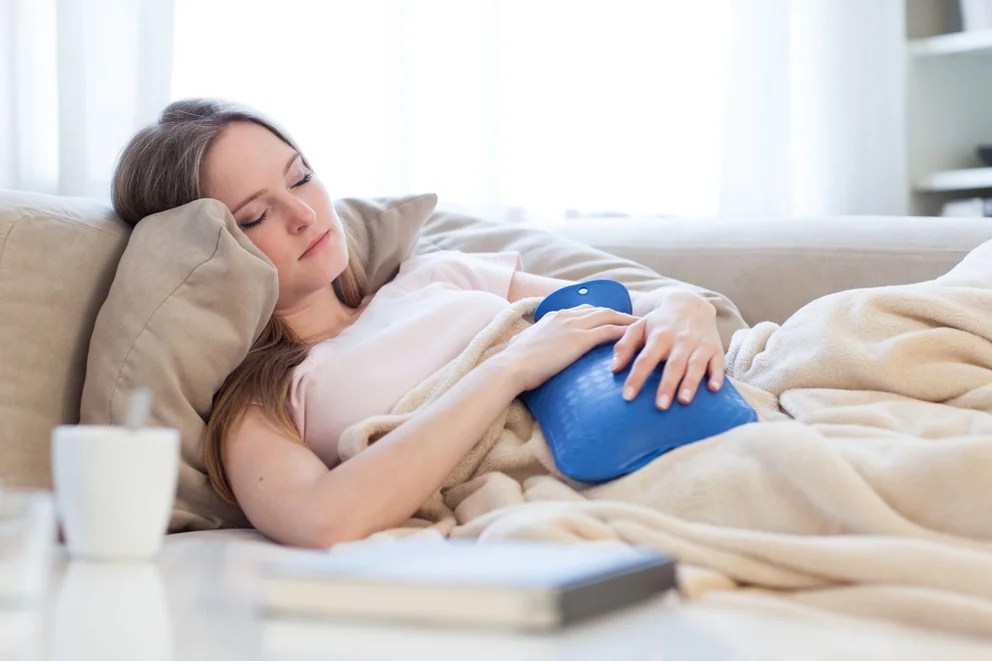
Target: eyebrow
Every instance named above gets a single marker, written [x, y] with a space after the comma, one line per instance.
[248, 199]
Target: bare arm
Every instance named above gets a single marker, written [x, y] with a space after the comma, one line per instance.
[291, 496]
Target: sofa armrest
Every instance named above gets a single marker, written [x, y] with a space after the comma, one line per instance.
[772, 267]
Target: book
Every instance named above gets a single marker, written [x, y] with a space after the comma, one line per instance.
[521, 585]
[968, 207]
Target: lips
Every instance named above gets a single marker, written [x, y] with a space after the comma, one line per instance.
[316, 244]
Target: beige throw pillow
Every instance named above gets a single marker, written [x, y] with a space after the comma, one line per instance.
[190, 295]
[386, 230]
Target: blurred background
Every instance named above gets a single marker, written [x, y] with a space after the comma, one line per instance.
[538, 110]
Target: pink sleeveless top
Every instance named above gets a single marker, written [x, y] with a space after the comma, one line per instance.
[410, 328]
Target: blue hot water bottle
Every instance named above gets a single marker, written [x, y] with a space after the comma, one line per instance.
[594, 434]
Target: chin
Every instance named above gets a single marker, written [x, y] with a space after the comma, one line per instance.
[335, 267]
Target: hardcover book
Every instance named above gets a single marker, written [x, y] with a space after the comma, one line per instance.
[522, 585]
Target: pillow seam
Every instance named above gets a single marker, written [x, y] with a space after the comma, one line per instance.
[6, 238]
[120, 371]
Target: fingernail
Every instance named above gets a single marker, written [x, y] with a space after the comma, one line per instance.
[628, 393]
[686, 395]
[714, 385]
[615, 363]
[663, 402]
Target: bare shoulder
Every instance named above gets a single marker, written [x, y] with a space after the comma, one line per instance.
[252, 425]
[272, 475]
[256, 442]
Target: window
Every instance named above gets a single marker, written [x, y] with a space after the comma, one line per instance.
[534, 109]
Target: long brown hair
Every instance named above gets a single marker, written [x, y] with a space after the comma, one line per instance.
[160, 169]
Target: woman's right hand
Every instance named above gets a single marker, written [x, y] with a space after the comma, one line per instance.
[560, 338]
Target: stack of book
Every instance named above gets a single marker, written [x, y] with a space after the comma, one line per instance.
[980, 207]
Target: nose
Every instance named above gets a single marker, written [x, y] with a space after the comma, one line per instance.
[301, 215]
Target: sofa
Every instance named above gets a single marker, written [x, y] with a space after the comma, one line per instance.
[58, 258]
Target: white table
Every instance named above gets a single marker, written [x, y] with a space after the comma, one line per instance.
[198, 601]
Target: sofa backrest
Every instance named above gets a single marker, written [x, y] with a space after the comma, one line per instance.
[58, 257]
[770, 267]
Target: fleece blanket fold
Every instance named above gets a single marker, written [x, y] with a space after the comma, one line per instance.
[865, 488]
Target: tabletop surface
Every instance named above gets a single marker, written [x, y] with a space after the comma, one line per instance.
[199, 600]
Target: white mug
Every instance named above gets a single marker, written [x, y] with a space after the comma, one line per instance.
[114, 489]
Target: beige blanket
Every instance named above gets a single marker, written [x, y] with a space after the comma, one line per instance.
[865, 489]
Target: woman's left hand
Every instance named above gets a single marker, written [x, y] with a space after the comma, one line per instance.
[682, 332]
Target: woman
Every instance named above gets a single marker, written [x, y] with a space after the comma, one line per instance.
[270, 444]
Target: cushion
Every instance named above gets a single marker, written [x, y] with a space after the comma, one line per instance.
[190, 295]
[550, 254]
[386, 230]
[57, 260]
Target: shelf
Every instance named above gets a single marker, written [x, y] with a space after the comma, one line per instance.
[972, 41]
[955, 180]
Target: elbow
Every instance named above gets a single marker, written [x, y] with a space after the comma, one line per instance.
[328, 535]
[325, 534]
[307, 533]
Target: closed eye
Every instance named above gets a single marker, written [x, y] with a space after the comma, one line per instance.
[305, 180]
[246, 226]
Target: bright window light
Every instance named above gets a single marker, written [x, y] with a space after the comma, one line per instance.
[523, 108]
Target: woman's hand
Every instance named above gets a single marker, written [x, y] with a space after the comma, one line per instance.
[682, 331]
[559, 339]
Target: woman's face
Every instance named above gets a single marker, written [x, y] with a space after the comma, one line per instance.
[280, 205]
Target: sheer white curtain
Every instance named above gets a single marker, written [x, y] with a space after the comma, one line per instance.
[510, 109]
[815, 121]
[77, 77]
[506, 108]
